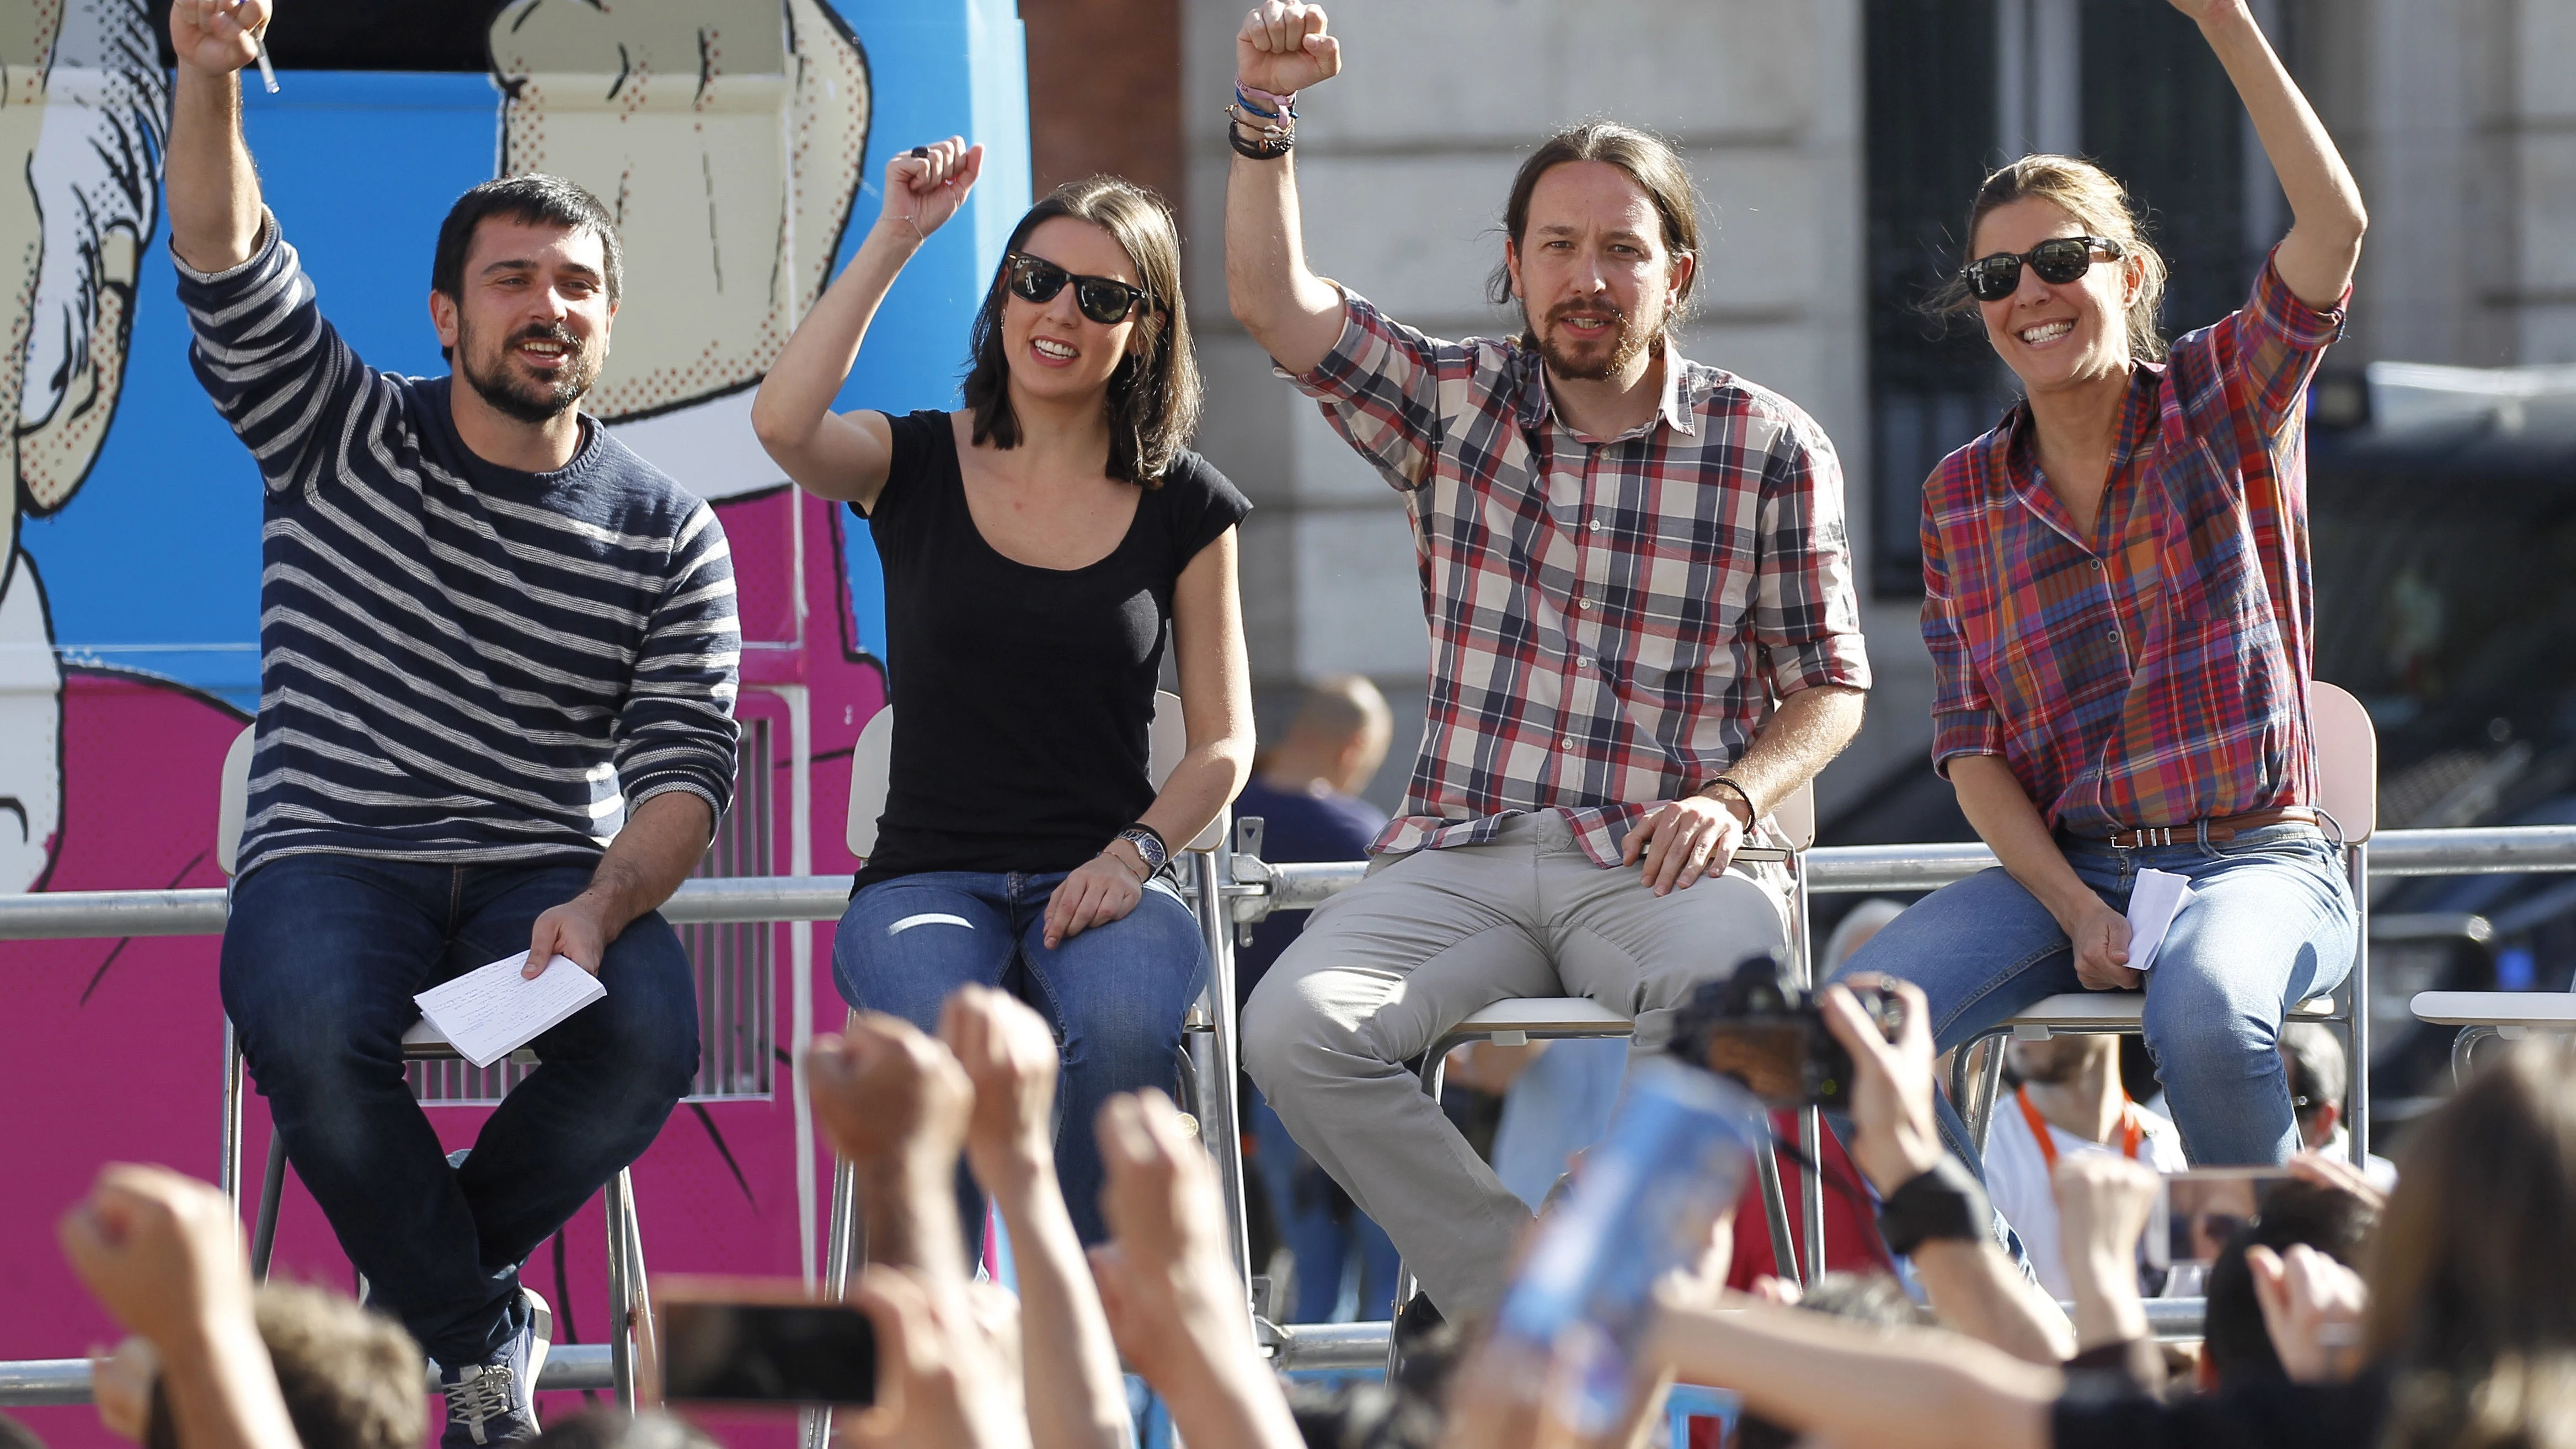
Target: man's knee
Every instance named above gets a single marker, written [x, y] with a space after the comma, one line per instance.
[648, 1022]
[2202, 1038]
[1287, 1036]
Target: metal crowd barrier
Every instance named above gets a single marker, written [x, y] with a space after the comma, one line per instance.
[1256, 888]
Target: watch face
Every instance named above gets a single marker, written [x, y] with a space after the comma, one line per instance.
[1146, 846]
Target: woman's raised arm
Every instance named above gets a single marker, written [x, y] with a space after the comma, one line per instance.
[2327, 220]
[844, 457]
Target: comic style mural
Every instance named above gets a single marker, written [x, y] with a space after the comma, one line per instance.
[737, 143]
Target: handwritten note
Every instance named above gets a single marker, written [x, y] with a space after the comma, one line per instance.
[2158, 897]
[492, 1011]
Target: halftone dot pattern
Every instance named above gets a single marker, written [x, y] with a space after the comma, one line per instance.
[627, 123]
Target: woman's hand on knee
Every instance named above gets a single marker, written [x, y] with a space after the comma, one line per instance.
[2101, 939]
[1101, 891]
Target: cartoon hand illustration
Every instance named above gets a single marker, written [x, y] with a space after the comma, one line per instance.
[726, 137]
[82, 108]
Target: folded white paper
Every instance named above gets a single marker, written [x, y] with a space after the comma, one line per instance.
[2154, 901]
[492, 1011]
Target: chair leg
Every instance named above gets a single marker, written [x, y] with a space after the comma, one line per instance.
[2463, 1047]
[1775, 1210]
[842, 1245]
[228, 1165]
[639, 1289]
[1985, 1092]
[621, 1346]
[2357, 1027]
[272, 1190]
[1811, 1189]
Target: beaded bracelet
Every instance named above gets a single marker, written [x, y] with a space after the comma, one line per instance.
[1275, 140]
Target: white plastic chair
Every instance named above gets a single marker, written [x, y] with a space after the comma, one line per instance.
[630, 1314]
[2348, 793]
[1517, 1021]
[1210, 1022]
[2479, 1015]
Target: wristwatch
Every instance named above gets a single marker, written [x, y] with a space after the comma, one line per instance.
[1149, 844]
[1946, 1202]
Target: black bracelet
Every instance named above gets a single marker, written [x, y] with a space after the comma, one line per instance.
[1275, 143]
[1945, 1203]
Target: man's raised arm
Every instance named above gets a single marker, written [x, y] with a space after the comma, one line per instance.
[1295, 315]
[210, 185]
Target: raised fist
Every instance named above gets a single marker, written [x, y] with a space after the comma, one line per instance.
[1283, 47]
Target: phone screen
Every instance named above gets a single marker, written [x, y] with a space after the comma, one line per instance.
[2200, 1211]
[768, 1353]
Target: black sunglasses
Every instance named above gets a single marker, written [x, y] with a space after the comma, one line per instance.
[1105, 300]
[2058, 260]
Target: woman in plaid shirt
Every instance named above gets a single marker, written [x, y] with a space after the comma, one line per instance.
[2118, 605]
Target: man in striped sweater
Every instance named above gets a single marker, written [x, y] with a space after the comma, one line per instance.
[498, 659]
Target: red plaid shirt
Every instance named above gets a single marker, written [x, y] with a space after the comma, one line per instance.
[2158, 673]
[1610, 620]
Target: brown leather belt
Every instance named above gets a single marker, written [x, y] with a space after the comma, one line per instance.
[2221, 830]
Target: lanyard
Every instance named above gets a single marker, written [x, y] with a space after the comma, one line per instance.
[2130, 1132]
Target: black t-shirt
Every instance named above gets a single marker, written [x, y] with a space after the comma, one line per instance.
[1022, 695]
[2262, 1415]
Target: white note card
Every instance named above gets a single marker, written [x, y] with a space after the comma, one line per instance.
[2158, 897]
[492, 1011]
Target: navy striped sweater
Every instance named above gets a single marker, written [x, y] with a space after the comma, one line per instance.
[459, 662]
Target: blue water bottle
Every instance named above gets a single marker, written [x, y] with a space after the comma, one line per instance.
[1643, 1205]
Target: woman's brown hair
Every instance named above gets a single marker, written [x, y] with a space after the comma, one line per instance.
[2100, 205]
[1153, 397]
[2473, 1270]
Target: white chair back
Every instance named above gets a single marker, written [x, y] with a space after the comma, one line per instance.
[232, 801]
[869, 760]
[1167, 740]
[2347, 760]
[1796, 816]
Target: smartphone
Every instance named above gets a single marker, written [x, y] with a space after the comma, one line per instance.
[2198, 1212]
[756, 1341]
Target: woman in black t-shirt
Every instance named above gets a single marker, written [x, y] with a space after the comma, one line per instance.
[1037, 544]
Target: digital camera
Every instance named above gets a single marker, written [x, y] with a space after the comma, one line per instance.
[1761, 1028]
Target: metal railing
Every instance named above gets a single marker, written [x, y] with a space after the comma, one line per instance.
[1261, 887]
[1252, 890]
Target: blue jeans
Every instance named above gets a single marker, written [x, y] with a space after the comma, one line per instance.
[1320, 1225]
[2270, 924]
[1115, 994]
[321, 958]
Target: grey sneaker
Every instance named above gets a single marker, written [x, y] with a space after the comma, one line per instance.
[495, 1401]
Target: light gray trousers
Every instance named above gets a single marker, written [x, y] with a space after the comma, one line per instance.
[1388, 967]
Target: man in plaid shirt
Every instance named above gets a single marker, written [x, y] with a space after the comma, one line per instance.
[1643, 634]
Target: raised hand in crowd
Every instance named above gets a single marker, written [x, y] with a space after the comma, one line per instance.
[2327, 1170]
[945, 1376]
[1973, 1285]
[1075, 1395]
[1175, 1303]
[162, 1253]
[2313, 1307]
[2103, 1203]
[895, 1104]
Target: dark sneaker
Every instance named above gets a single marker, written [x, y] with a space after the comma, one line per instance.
[495, 1401]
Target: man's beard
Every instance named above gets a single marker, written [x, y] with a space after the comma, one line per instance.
[1632, 339]
[2049, 1064]
[530, 400]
